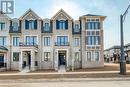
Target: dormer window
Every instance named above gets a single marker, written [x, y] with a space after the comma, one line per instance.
[15, 26]
[77, 28]
[30, 24]
[46, 28]
[62, 24]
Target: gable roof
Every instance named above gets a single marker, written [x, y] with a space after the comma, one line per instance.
[27, 12]
[93, 15]
[59, 12]
[3, 14]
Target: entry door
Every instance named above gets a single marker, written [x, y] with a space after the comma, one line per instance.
[29, 59]
[1, 60]
[62, 58]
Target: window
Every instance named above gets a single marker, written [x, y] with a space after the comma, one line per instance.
[15, 41]
[30, 24]
[76, 29]
[46, 28]
[76, 42]
[1, 58]
[77, 58]
[15, 26]
[88, 56]
[93, 40]
[31, 40]
[62, 24]
[2, 40]
[2, 25]
[15, 56]
[46, 56]
[92, 25]
[46, 41]
[62, 40]
[96, 56]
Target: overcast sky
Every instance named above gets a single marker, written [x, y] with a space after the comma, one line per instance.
[75, 8]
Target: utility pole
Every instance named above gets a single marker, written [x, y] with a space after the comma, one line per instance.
[122, 59]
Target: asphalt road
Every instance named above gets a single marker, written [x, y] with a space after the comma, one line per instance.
[76, 83]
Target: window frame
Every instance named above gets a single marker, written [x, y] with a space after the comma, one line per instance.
[2, 26]
[3, 42]
[47, 41]
[15, 39]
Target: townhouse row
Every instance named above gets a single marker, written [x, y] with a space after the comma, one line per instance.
[30, 41]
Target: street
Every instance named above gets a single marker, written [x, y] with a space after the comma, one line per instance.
[75, 83]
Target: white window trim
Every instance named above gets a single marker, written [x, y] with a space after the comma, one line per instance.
[50, 41]
[12, 40]
[30, 35]
[61, 35]
[79, 41]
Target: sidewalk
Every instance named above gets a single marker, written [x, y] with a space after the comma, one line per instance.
[57, 75]
[109, 71]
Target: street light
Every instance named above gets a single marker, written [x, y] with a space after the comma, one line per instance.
[122, 60]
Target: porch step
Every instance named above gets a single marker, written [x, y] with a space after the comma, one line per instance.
[62, 69]
[25, 70]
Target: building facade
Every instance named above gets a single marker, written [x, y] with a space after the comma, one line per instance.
[113, 54]
[49, 43]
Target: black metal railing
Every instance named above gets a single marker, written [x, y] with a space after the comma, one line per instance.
[49, 30]
[76, 31]
[24, 44]
[13, 30]
[62, 44]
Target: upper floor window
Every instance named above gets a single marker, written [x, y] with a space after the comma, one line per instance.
[93, 24]
[62, 24]
[46, 28]
[46, 41]
[15, 26]
[93, 40]
[76, 41]
[77, 28]
[31, 40]
[30, 24]
[2, 40]
[62, 40]
[2, 25]
[16, 41]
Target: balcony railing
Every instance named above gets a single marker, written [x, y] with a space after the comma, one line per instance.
[22, 44]
[2, 65]
[12, 30]
[46, 31]
[76, 31]
[62, 44]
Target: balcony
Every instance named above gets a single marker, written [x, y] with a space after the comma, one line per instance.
[22, 44]
[12, 30]
[62, 44]
[46, 31]
[74, 31]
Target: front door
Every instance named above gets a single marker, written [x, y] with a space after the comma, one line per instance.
[1, 60]
[62, 58]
